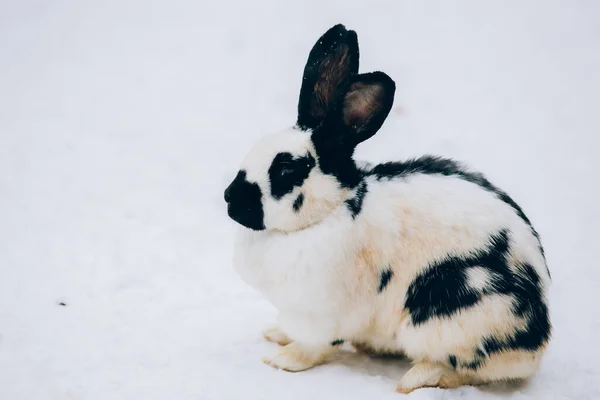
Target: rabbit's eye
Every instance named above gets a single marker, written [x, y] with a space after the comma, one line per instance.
[286, 170]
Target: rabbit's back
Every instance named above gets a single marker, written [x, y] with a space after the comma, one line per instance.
[462, 275]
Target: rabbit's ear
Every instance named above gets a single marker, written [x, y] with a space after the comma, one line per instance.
[331, 63]
[366, 105]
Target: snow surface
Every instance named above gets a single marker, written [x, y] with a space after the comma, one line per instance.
[121, 122]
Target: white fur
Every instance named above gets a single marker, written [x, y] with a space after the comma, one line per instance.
[478, 278]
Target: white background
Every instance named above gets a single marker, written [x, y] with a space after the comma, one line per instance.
[121, 122]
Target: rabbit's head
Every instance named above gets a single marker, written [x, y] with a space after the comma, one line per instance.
[295, 178]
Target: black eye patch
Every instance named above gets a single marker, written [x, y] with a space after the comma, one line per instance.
[287, 172]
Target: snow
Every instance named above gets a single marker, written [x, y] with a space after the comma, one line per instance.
[121, 122]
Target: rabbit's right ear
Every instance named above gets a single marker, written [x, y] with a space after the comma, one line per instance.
[331, 64]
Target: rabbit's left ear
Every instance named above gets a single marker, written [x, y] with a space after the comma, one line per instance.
[331, 64]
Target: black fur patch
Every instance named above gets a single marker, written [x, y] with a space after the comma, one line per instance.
[384, 279]
[443, 289]
[287, 172]
[337, 342]
[432, 165]
[355, 204]
[335, 159]
[452, 360]
[477, 362]
[244, 202]
[440, 291]
[531, 306]
[425, 165]
[298, 202]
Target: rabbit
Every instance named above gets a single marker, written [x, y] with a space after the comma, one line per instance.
[421, 258]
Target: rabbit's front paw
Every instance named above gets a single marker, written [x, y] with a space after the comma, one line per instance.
[276, 335]
[294, 357]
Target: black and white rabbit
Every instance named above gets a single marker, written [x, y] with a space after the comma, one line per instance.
[422, 258]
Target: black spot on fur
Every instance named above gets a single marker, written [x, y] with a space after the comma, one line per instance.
[432, 165]
[287, 172]
[244, 202]
[479, 359]
[334, 159]
[384, 278]
[425, 165]
[298, 202]
[452, 360]
[531, 306]
[443, 289]
[440, 292]
[62, 304]
[355, 204]
[337, 342]
[477, 362]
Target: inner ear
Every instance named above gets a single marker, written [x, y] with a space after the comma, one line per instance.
[331, 63]
[366, 105]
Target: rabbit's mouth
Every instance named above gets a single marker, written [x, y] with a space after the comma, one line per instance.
[244, 204]
[246, 217]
